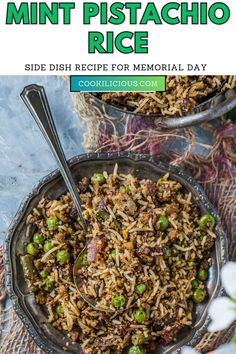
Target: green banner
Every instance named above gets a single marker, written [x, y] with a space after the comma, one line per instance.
[117, 83]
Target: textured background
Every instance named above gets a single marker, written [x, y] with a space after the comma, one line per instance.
[24, 155]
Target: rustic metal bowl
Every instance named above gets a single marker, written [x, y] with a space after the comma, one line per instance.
[93, 109]
[34, 316]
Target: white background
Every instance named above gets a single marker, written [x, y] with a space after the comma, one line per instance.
[68, 44]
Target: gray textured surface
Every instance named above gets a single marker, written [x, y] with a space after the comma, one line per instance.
[24, 155]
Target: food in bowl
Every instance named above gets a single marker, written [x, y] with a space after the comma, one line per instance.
[147, 260]
[183, 93]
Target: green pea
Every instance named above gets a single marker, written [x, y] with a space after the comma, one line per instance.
[138, 338]
[47, 246]
[38, 238]
[63, 256]
[168, 253]
[52, 223]
[136, 349]
[48, 284]
[102, 215]
[83, 260]
[202, 274]
[32, 248]
[43, 274]
[140, 288]
[163, 222]
[59, 310]
[199, 295]
[140, 316]
[190, 304]
[195, 284]
[113, 254]
[118, 300]
[98, 179]
[207, 221]
[125, 189]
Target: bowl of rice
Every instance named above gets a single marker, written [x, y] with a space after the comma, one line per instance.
[187, 101]
[154, 250]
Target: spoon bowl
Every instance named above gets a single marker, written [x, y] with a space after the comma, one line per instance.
[79, 263]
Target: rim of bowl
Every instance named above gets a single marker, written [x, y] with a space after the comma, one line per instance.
[191, 338]
[192, 112]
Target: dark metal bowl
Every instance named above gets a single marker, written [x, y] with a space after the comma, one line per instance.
[92, 108]
[34, 316]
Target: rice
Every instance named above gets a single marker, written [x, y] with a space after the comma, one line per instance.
[183, 93]
[130, 255]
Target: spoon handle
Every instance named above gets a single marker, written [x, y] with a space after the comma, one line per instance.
[35, 99]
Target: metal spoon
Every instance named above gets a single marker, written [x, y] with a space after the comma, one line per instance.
[35, 99]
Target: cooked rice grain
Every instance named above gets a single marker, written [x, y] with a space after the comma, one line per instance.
[128, 248]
